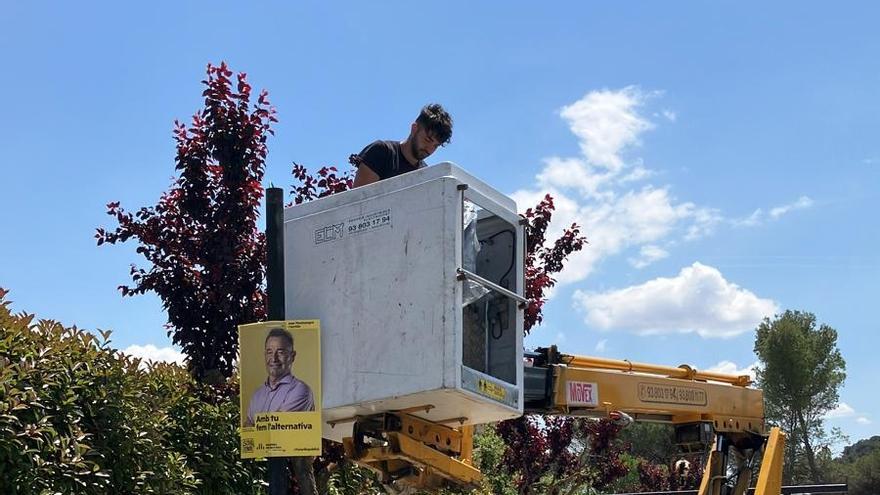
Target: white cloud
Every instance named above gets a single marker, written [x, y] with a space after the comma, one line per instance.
[648, 254]
[759, 216]
[601, 346]
[703, 224]
[607, 123]
[576, 174]
[802, 203]
[698, 300]
[638, 173]
[843, 410]
[598, 191]
[150, 352]
[846, 411]
[756, 218]
[730, 368]
[595, 189]
[634, 219]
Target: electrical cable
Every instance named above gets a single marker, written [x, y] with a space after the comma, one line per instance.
[512, 256]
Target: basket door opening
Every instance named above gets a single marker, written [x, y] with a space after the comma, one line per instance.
[489, 319]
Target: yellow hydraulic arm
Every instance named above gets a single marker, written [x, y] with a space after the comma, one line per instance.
[409, 451]
[705, 407]
[588, 386]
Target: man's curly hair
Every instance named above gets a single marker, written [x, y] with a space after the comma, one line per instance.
[434, 119]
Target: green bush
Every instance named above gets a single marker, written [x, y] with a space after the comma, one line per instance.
[78, 417]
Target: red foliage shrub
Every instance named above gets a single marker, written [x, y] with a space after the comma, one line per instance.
[206, 256]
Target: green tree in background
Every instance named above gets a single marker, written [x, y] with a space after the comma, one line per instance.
[864, 474]
[858, 466]
[653, 442]
[800, 372]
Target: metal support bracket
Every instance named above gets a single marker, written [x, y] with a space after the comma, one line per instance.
[417, 452]
[464, 274]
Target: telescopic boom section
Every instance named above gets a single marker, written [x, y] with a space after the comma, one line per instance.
[707, 409]
[684, 371]
[712, 412]
[587, 386]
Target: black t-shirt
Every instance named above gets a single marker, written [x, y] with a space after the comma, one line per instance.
[386, 159]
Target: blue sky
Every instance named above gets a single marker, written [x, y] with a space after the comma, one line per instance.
[721, 156]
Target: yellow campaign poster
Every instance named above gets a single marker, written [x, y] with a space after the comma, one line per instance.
[280, 367]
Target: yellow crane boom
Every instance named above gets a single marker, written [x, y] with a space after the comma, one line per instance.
[587, 386]
[706, 409]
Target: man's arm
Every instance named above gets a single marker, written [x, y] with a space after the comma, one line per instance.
[373, 163]
[298, 398]
[364, 176]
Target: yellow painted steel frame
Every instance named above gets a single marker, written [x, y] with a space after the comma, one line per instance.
[430, 447]
[713, 477]
[730, 408]
[770, 477]
[592, 387]
[596, 387]
[684, 371]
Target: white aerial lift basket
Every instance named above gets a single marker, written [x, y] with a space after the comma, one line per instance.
[418, 282]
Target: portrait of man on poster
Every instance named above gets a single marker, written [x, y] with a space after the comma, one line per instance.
[281, 392]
